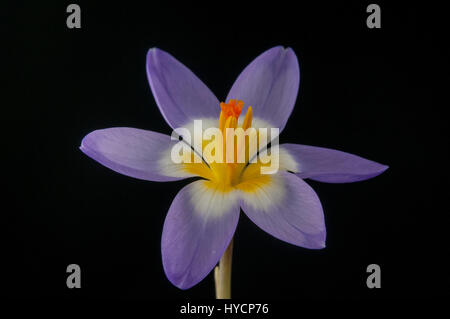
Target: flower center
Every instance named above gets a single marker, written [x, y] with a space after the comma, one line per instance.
[228, 173]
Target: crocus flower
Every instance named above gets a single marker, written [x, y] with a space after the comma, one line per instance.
[203, 216]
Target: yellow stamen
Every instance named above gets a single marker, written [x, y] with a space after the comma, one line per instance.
[222, 120]
[248, 119]
[228, 122]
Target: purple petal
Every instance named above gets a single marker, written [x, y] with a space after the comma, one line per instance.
[197, 230]
[180, 95]
[331, 166]
[133, 152]
[289, 210]
[269, 84]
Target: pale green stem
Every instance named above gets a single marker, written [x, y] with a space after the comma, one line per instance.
[222, 274]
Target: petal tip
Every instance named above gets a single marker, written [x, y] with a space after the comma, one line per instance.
[151, 52]
[86, 151]
[181, 285]
[89, 140]
[281, 49]
[152, 56]
[318, 243]
[382, 168]
[83, 145]
[181, 282]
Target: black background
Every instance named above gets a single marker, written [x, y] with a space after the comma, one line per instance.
[372, 92]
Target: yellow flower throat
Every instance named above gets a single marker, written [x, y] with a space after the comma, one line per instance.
[225, 175]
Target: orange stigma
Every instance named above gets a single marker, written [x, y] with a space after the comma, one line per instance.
[230, 113]
[232, 108]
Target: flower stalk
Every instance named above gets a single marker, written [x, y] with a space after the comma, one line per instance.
[222, 274]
